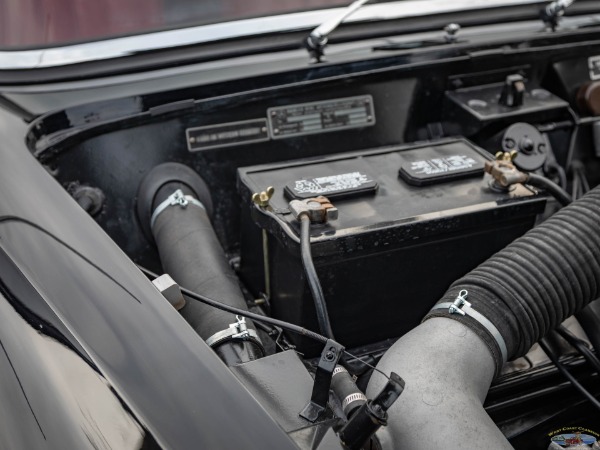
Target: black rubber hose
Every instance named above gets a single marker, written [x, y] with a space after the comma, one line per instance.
[191, 253]
[536, 282]
[345, 389]
[313, 279]
[554, 189]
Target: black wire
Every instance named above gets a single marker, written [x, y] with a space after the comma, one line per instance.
[575, 185]
[580, 346]
[580, 184]
[554, 189]
[244, 313]
[584, 181]
[562, 369]
[574, 135]
[313, 279]
[259, 318]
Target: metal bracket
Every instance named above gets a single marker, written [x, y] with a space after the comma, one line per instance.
[320, 395]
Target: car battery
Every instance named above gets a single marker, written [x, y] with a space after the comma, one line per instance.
[411, 220]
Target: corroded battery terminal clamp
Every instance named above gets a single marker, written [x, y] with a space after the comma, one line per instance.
[503, 171]
[318, 209]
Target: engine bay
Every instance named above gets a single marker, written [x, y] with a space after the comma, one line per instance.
[396, 159]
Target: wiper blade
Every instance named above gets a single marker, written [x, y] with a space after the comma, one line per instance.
[317, 40]
[552, 13]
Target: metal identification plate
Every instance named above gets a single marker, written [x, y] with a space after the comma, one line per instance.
[321, 117]
[594, 66]
[227, 134]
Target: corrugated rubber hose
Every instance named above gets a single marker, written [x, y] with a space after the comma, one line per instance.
[535, 283]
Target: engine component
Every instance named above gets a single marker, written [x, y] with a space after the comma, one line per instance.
[505, 174]
[282, 384]
[399, 239]
[190, 252]
[372, 415]
[525, 291]
[344, 387]
[469, 111]
[513, 92]
[528, 143]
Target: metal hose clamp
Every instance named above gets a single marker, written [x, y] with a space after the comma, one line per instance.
[354, 397]
[177, 198]
[236, 331]
[462, 307]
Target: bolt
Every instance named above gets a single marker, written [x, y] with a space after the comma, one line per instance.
[452, 28]
[527, 145]
[330, 355]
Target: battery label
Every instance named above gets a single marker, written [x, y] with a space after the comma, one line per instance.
[594, 66]
[332, 186]
[440, 164]
[227, 134]
[443, 165]
[321, 117]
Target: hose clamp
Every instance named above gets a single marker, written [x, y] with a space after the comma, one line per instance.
[354, 397]
[462, 307]
[177, 198]
[339, 369]
[237, 331]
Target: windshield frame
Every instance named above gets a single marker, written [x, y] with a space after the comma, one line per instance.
[121, 47]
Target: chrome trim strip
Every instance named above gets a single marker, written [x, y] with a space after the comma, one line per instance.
[126, 46]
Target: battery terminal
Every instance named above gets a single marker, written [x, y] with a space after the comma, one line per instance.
[318, 209]
[503, 171]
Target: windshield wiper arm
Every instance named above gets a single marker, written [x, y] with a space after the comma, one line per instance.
[317, 40]
[554, 11]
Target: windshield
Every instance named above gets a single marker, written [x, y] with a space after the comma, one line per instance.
[42, 23]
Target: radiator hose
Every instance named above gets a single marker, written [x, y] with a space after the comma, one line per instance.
[176, 204]
[450, 360]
